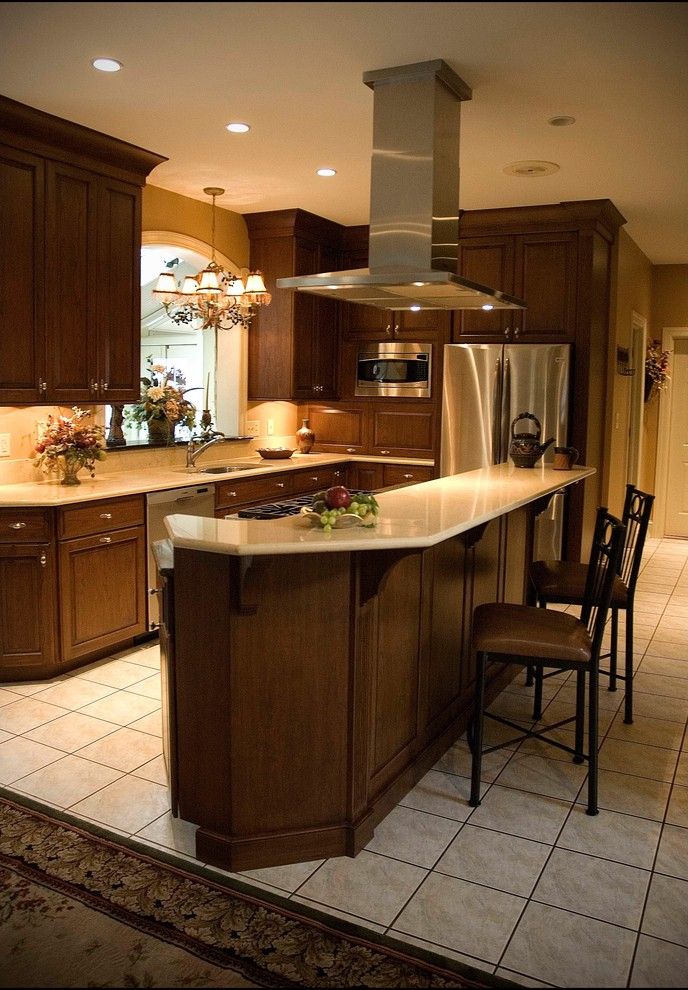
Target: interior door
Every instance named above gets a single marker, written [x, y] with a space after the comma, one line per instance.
[676, 523]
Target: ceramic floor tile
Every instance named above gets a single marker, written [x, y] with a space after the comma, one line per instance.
[654, 706]
[25, 714]
[519, 979]
[539, 747]
[355, 919]
[532, 816]
[444, 952]
[666, 913]
[7, 697]
[677, 812]
[622, 838]
[682, 770]
[645, 761]
[595, 887]
[609, 702]
[67, 781]
[672, 687]
[631, 795]
[124, 749]
[555, 778]
[20, 756]
[466, 917]
[26, 690]
[149, 723]
[368, 886]
[146, 656]
[289, 877]
[74, 693]
[659, 964]
[569, 950]
[458, 760]
[664, 666]
[154, 770]
[72, 731]
[672, 856]
[413, 836]
[660, 648]
[129, 803]
[494, 859]
[122, 708]
[5, 735]
[150, 687]
[649, 731]
[172, 833]
[441, 794]
[115, 673]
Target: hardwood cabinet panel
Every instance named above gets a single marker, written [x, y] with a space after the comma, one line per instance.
[25, 525]
[101, 517]
[402, 429]
[22, 277]
[366, 477]
[488, 261]
[341, 428]
[546, 278]
[317, 479]
[28, 622]
[406, 474]
[103, 590]
[249, 491]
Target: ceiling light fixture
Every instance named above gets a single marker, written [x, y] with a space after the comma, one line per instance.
[561, 121]
[326, 172]
[531, 169]
[106, 64]
[215, 298]
[238, 127]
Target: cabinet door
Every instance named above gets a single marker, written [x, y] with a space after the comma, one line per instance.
[363, 322]
[545, 277]
[402, 429]
[118, 278]
[103, 584]
[366, 477]
[304, 347]
[428, 324]
[488, 261]
[22, 277]
[70, 247]
[342, 430]
[28, 628]
[325, 339]
[406, 474]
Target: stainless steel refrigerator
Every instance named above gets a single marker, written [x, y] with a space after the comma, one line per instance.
[485, 387]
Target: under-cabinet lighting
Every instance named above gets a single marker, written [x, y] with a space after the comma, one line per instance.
[106, 64]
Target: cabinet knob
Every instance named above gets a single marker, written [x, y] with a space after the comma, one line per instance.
[315, 478]
[42, 386]
[279, 484]
[19, 525]
[154, 591]
[408, 476]
[104, 386]
[517, 331]
[105, 539]
[43, 559]
[507, 332]
[388, 328]
[351, 450]
[231, 494]
[93, 388]
[384, 452]
[105, 515]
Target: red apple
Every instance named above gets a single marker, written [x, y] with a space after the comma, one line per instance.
[338, 497]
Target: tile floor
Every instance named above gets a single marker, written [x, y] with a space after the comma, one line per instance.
[527, 885]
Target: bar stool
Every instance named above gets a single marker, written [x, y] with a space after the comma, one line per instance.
[527, 635]
[563, 582]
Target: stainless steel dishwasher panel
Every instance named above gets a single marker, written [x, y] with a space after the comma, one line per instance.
[196, 500]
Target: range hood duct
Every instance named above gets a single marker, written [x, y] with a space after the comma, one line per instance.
[414, 213]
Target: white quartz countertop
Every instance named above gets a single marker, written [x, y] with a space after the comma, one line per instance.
[417, 516]
[114, 484]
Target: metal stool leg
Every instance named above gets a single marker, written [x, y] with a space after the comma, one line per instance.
[613, 651]
[580, 716]
[593, 692]
[537, 696]
[476, 767]
[628, 703]
[529, 675]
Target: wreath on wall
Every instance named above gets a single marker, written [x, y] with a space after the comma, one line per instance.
[656, 369]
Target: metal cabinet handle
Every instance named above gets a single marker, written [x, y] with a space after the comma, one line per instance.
[231, 494]
[105, 539]
[408, 476]
[315, 478]
[43, 559]
[104, 386]
[279, 484]
[105, 515]
[351, 450]
[507, 332]
[93, 388]
[384, 452]
[517, 331]
[42, 386]
[17, 525]
[154, 591]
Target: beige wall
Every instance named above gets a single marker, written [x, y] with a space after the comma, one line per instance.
[631, 292]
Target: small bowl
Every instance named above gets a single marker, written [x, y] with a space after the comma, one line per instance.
[275, 453]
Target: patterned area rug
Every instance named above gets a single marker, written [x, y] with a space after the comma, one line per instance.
[78, 909]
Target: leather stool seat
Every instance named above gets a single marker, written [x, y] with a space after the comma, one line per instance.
[563, 581]
[525, 631]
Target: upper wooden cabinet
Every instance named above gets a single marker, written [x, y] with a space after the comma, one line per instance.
[70, 201]
[293, 341]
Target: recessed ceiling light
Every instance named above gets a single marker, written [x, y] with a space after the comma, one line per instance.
[488, 306]
[106, 64]
[561, 121]
[420, 283]
[531, 170]
[238, 127]
[326, 172]
[415, 309]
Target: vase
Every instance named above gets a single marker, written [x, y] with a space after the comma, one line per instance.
[305, 438]
[649, 388]
[160, 432]
[69, 468]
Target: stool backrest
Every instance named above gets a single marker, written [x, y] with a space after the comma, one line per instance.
[636, 518]
[603, 568]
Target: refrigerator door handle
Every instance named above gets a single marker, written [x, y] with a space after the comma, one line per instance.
[505, 427]
[496, 413]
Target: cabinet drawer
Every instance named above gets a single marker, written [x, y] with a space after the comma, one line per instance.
[100, 517]
[25, 525]
[268, 489]
[318, 478]
[406, 474]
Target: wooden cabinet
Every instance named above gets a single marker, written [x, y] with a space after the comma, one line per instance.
[340, 428]
[381, 427]
[70, 199]
[293, 342]
[538, 267]
[102, 567]
[28, 581]
[373, 477]
[370, 323]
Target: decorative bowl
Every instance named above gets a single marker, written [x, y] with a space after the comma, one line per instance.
[345, 521]
[275, 453]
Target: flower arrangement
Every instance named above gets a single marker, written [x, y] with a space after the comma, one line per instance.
[69, 444]
[656, 368]
[162, 397]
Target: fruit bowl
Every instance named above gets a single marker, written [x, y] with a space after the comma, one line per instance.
[345, 521]
[275, 453]
[338, 508]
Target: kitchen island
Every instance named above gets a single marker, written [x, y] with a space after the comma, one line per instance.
[311, 678]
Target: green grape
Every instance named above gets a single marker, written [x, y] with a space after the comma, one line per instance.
[327, 528]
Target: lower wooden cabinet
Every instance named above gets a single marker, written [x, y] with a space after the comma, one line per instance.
[28, 620]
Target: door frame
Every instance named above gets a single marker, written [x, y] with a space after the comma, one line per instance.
[634, 435]
[669, 335]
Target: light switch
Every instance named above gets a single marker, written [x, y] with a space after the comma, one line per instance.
[271, 427]
[4, 445]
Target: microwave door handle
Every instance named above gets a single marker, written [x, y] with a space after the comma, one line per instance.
[496, 412]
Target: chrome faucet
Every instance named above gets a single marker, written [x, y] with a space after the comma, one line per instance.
[193, 452]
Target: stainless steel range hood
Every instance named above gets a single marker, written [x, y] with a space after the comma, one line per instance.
[414, 212]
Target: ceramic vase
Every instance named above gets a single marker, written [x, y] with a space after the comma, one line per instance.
[160, 432]
[69, 468]
[305, 438]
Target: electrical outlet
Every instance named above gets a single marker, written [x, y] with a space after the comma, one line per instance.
[252, 427]
[271, 427]
[4, 445]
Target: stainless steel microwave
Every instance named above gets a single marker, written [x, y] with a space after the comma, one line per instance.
[397, 369]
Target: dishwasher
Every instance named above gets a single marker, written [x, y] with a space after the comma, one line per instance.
[196, 500]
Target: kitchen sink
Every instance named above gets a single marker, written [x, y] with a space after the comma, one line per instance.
[226, 469]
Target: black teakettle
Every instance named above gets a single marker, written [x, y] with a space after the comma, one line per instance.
[526, 449]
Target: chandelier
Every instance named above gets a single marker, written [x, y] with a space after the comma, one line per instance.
[214, 298]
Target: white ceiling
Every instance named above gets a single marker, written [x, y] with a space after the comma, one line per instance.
[293, 71]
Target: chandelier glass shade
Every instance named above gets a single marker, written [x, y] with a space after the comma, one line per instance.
[214, 298]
